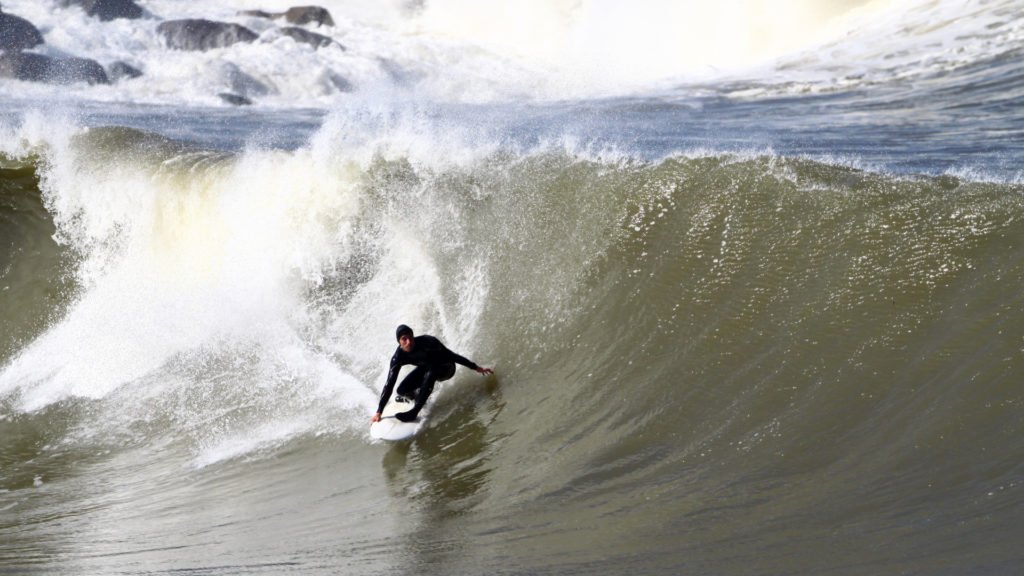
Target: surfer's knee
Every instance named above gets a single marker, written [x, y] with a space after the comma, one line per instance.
[443, 372]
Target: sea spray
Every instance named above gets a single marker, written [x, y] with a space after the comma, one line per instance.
[183, 253]
[454, 51]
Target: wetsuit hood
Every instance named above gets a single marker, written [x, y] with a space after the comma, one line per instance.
[402, 329]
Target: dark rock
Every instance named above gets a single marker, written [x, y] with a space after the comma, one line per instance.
[235, 99]
[400, 74]
[203, 35]
[70, 70]
[39, 68]
[106, 9]
[258, 14]
[119, 70]
[17, 33]
[342, 84]
[305, 14]
[298, 15]
[312, 38]
[239, 82]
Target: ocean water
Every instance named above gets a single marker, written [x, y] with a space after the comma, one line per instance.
[749, 276]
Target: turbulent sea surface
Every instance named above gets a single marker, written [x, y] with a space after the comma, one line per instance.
[750, 278]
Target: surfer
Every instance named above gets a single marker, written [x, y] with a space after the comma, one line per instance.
[434, 363]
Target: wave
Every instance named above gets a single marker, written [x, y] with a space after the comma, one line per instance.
[717, 346]
[920, 48]
[279, 275]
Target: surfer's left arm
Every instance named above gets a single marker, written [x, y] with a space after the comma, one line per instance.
[469, 363]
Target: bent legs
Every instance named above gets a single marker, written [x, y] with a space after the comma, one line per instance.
[420, 382]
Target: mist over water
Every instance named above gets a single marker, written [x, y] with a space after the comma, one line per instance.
[749, 277]
[499, 51]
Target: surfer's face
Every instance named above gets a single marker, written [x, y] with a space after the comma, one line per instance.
[406, 343]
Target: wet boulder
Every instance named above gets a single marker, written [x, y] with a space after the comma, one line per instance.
[308, 14]
[340, 83]
[300, 15]
[122, 71]
[234, 99]
[40, 68]
[258, 14]
[202, 35]
[106, 9]
[16, 33]
[305, 36]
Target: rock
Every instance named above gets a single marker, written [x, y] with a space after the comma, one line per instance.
[70, 70]
[342, 84]
[312, 38]
[298, 15]
[16, 33]
[119, 71]
[258, 14]
[305, 14]
[235, 99]
[234, 80]
[39, 68]
[203, 35]
[106, 9]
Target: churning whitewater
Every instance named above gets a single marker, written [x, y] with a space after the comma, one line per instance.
[749, 277]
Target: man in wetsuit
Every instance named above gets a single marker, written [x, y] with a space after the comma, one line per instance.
[434, 363]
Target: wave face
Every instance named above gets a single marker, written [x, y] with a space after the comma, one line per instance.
[708, 362]
[32, 272]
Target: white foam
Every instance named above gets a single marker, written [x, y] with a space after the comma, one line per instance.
[196, 274]
[458, 50]
[248, 441]
[604, 45]
[900, 41]
[177, 258]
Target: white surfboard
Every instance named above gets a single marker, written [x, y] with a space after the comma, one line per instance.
[393, 429]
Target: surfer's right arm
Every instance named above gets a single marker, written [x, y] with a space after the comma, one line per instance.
[385, 394]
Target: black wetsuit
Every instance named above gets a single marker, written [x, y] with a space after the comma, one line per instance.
[434, 363]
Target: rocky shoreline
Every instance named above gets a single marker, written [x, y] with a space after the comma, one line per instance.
[18, 38]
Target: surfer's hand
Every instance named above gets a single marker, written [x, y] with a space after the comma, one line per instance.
[484, 371]
[376, 418]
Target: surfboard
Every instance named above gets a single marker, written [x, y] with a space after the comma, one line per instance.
[391, 428]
